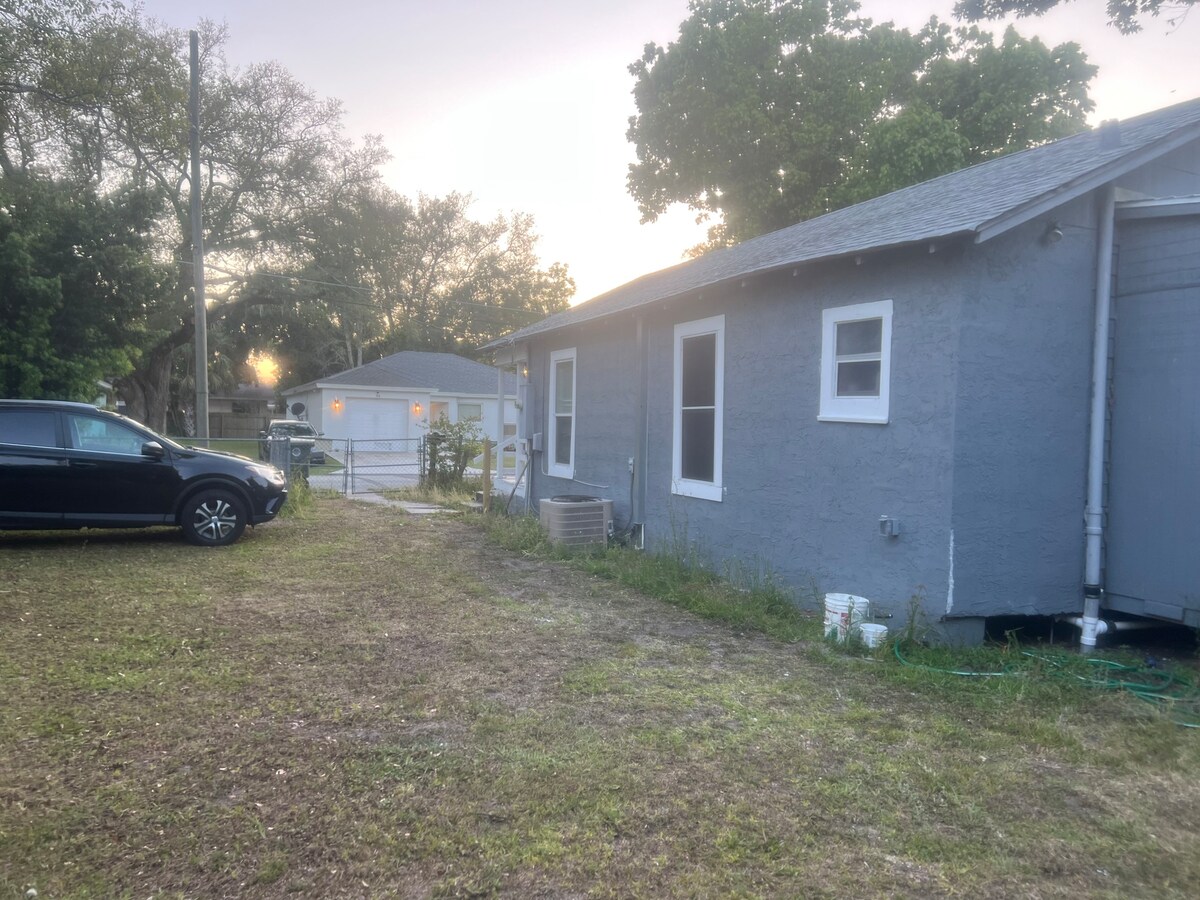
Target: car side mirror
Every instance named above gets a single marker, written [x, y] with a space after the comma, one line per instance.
[262, 434]
[153, 449]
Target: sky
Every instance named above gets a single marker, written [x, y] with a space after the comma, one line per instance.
[524, 104]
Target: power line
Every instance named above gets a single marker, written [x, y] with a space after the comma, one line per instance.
[350, 287]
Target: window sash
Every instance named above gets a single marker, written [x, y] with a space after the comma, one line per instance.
[856, 363]
[697, 434]
[561, 425]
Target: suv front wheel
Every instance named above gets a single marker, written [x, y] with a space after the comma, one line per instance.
[213, 518]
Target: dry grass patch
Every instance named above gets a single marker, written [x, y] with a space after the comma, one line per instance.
[361, 703]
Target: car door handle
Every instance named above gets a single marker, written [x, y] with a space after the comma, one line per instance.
[80, 464]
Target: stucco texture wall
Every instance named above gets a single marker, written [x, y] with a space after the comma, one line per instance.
[802, 498]
[606, 384]
[1021, 420]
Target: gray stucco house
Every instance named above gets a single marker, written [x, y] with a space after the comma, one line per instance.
[896, 399]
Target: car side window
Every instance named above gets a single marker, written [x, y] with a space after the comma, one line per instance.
[28, 427]
[103, 436]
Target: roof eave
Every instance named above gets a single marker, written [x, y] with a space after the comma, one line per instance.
[518, 337]
[1084, 184]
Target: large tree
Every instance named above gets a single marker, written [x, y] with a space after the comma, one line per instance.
[102, 98]
[1125, 15]
[91, 91]
[767, 112]
[386, 273]
[75, 273]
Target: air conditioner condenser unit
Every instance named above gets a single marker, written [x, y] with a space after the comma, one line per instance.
[575, 519]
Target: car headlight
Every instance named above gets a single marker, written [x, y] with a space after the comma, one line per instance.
[270, 473]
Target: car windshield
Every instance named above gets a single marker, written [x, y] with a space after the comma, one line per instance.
[293, 429]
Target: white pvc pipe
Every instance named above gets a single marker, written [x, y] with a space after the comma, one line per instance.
[1104, 626]
[1094, 511]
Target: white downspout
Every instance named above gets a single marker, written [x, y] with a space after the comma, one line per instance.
[1093, 513]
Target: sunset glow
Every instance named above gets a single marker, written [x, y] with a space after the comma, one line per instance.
[266, 369]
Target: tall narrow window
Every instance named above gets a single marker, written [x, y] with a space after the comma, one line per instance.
[856, 350]
[699, 390]
[562, 414]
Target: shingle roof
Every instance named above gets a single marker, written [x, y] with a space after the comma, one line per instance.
[982, 200]
[423, 370]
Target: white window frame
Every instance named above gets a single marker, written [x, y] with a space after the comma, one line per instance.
[869, 410]
[689, 487]
[557, 469]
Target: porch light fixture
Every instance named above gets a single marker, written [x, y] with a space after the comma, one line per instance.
[416, 409]
[337, 405]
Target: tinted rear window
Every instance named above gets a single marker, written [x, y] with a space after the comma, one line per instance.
[27, 427]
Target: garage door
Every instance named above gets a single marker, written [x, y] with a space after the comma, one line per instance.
[1152, 559]
[377, 420]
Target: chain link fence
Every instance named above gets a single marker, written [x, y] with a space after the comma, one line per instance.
[350, 466]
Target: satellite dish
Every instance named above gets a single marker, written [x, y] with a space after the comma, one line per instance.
[297, 408]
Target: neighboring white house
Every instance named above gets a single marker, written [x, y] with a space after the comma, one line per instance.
[397, 397]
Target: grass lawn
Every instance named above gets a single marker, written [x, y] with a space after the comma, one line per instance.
[360, 703]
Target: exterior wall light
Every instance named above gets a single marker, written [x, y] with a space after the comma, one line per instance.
[337, 405]
[1053, 234]
[416, 409]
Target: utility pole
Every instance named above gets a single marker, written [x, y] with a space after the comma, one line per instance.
[201, 311]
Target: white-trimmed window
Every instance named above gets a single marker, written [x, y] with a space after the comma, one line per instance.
[470, 412]
[561, 426]
[856, 363]
[698, 408]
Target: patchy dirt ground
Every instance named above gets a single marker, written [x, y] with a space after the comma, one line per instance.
[363, 703]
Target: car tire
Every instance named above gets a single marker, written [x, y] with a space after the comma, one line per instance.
[213, 518]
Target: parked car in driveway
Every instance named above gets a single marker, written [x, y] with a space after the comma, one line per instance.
[70, 465]
[301, 437]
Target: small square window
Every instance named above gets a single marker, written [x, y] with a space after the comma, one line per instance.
[856, 344]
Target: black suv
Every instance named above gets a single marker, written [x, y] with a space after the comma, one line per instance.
[70, 465]
[302, 441]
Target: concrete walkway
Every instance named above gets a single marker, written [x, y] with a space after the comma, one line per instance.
[409, 506]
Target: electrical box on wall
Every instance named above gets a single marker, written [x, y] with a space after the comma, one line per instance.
[538, 442]
[889, 527]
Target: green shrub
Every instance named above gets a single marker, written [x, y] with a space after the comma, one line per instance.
[449, 449]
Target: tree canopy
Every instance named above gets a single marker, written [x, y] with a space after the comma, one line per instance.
[74, 271]
[763, 113]
[295, 215]
[1127, 16]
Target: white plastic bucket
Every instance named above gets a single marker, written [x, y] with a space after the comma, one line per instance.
[844, 612]
[873, 635]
